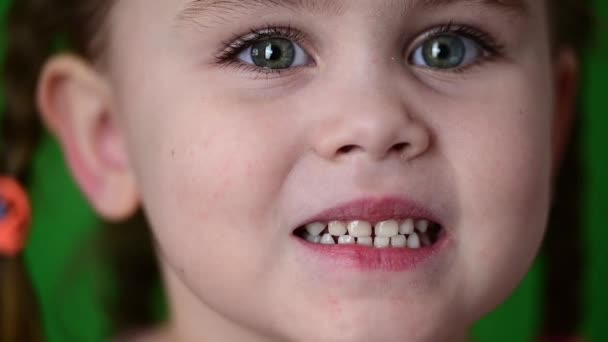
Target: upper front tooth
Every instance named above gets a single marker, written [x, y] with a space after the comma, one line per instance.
[360, 228]
[407, 227]
[337, 228]
[315, 229]
[422, 226]
[387, 228]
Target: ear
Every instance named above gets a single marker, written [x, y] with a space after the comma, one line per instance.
[76, 104]
[566, 83]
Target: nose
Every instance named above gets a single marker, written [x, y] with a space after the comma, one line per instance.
[375, 126]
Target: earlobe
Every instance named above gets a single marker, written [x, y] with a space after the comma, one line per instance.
[566, 82]
[76, 104]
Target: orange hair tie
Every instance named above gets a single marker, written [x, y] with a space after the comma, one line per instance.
[15, 216]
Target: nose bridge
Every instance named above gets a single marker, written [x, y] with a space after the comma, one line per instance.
[371, 118]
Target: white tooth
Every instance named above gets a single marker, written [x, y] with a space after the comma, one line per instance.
[337, 228]
[313, 238]
[413, 241]
[359, 228]
[407, 227]
[346, 240]
[327, 239]
[381, 241]
[365, 241]
[422, 226]
[315, 228]
[399, 241]
[425, 240]
[387, 228]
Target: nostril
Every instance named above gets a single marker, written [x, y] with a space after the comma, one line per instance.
[401, 147]
[347, 149]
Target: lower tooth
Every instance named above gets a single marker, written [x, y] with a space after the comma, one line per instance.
[327, 239]
[399, 241]
[365, 241]
[313, 238]
[346, 240]
[381, 241]
[425, 240]
[413, 241]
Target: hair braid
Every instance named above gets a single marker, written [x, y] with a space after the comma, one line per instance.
[28, 46]
[573, 25]
[28, 42]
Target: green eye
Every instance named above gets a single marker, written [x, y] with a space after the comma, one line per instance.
[447, 52]
[274, 53]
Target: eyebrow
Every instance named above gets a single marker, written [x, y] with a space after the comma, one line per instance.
[222, 10]
[200, 7]
[520, 6]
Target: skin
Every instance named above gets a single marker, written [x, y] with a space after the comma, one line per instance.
[227, 162]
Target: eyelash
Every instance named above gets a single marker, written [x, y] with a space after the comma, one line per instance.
[234, 46]
[491, 48]
[228, 55]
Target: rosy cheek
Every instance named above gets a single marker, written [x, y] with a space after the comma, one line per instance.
[334, 306]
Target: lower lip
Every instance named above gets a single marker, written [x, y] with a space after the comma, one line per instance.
[361, 258]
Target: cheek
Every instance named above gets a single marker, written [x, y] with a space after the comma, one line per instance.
[203, 167]
[499, 153]
[505, 163]
[212, 177]
[506, 189]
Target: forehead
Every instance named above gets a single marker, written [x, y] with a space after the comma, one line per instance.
[186, 11]
[192, 8]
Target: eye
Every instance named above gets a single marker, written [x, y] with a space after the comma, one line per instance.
[447, 51]
[274, 53]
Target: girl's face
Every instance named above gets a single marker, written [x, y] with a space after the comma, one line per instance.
[245, 120]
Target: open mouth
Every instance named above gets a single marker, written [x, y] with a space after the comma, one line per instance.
[407, 233]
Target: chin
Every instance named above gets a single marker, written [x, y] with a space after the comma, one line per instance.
[386, 323]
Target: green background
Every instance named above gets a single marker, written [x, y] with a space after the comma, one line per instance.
[63, 220]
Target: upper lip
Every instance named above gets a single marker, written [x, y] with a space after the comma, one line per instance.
[375, 210]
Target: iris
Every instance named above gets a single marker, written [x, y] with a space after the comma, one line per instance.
[275, 53]
[444, 52]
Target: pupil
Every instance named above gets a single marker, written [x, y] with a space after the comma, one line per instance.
[441, 51]
[444, 52]
[274, 53]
